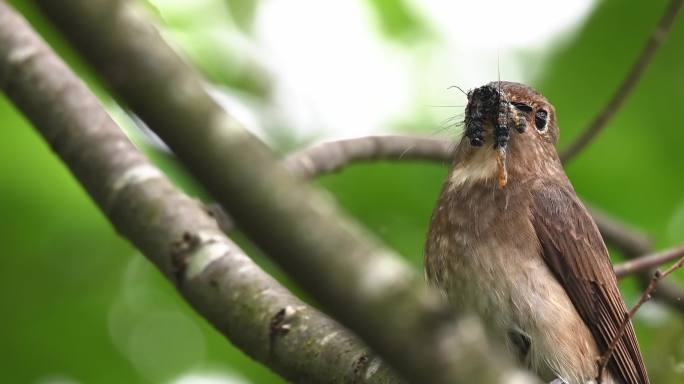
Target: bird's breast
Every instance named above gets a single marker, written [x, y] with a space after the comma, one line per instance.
[483, 253]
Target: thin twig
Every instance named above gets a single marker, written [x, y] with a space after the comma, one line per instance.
[317, 160]
[647, 262]
[628, 83]
[631, 242]
[333, 156]
[325, 158]
[645, 296]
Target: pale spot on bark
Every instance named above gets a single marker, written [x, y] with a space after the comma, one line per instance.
[383, 274]
[136, 175]
[327, 338]
[372, 368]
[131, 177]
[203, 256]
[22, 54]
[225, 129]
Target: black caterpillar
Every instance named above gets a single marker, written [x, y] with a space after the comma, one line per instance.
[489, 104]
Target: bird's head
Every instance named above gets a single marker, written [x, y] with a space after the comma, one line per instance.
[511, 124]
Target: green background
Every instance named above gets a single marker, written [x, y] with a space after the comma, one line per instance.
[80, 305]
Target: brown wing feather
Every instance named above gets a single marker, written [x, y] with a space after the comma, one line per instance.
[574, 250]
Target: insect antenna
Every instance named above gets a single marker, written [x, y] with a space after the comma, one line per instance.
[459, 88]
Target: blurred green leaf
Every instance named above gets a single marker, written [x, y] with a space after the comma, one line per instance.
[78, 301]
[398, 20]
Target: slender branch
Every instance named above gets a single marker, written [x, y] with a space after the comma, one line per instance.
[366, 286]
[628, 83]
[648, 262]
[645, 296]
[333, 156]
[632, 243]
[325, 158]
[328, 157]
[213, 274]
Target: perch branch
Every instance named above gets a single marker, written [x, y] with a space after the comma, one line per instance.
[213, 274]
[325, 158]
[336, 155]
[645, 296]
[628, 83]
[648, 262]
[633, 244]
[366, 286]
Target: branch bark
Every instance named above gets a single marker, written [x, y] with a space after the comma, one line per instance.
[213, 274]
[648, 262]
[645, 296]
[633, 244]
[336, 155]
[365, 285]
[326, 158]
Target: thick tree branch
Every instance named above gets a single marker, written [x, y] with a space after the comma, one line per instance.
[365, 285]
[244, 303]
[628, 83]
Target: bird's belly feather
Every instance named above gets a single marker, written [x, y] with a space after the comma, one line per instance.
[502, 278]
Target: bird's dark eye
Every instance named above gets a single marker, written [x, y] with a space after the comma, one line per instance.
[540, 119]
[522, 106]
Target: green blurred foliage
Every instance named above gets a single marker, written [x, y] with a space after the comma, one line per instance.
[212, 34]
[633, 169]
[397, 20]
[81, 305]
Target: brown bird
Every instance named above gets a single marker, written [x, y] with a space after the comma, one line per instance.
[510, 241]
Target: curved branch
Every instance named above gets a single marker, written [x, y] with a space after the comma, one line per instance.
[647, 262]
[366, 286]
[628, 83]
[645, 296]
[633, 244]
[172, 230]
[334, 156]
[331, 156]
[325, 158]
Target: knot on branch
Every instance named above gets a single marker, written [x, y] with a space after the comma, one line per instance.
[180, 254]
[193, 253]
[281, 323]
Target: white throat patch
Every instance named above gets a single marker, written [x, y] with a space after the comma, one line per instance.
[481, 167]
